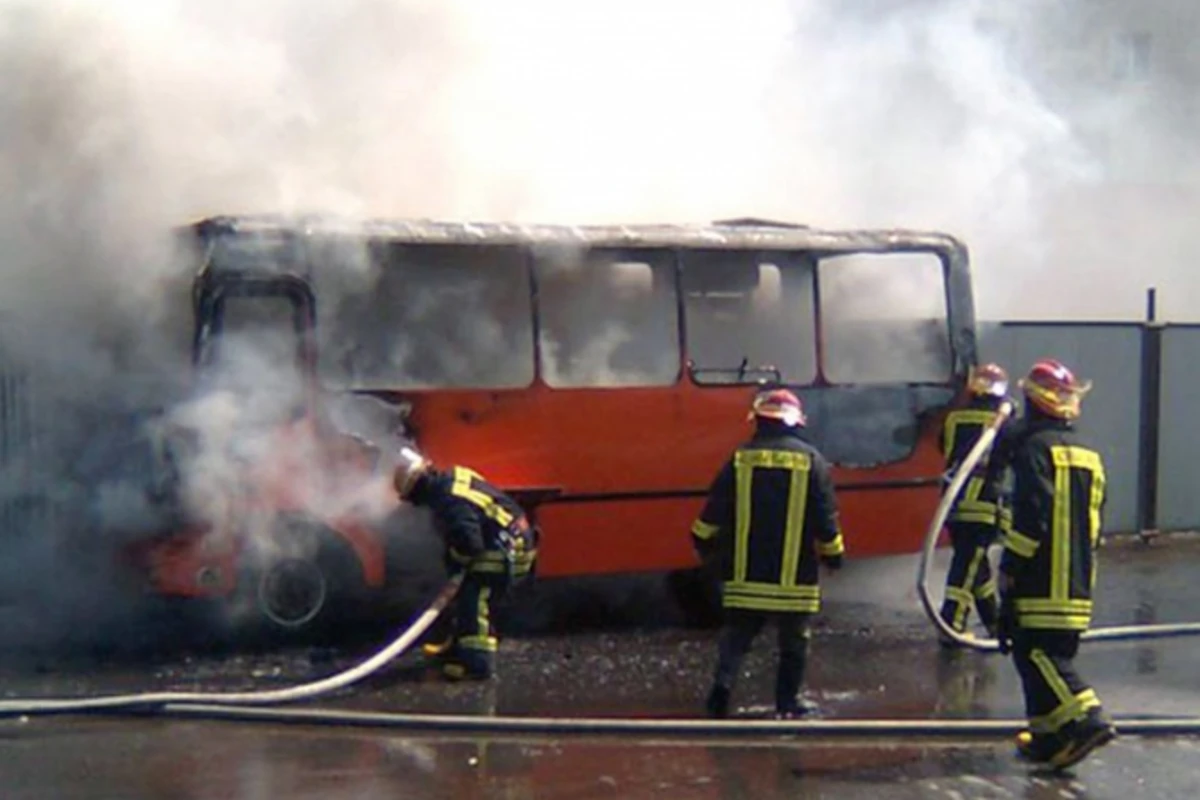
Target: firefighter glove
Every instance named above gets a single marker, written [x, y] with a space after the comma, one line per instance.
[832, 562]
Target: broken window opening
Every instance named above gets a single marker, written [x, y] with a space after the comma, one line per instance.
[607, 319]
[884, 319]
[439, 316]
[750, 317]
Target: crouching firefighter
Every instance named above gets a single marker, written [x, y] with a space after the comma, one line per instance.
[770, 519]
[1048, 569]
[976, 518]
[488, 539]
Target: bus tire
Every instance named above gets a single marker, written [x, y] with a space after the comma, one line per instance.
[307, 580]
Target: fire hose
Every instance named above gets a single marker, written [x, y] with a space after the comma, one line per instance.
[255, 706]
[935, 529]
[150, 701]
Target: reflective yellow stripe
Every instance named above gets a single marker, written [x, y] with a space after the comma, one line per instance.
[1054, 622]
[1050, 675]
[794, 523]
[1051, 605]
[703, 530]
[770, 597]
[834, 547]
[462, 487]
[487, 644]
[745, 462]
[957, 419]
[741, 542]
[1074, 709]
[773, 459]
[1020, 544]
[958, 594]
[488, 568]
[772, 589]
[811, 606]
[970, 508]
[1060, 529]
[1065, 459]
[960, 614]
[1070, 706]
[982, 517]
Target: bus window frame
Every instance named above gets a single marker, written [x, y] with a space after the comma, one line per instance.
[956, 358]
[761, 256]
[670, 263]
[952, 275]
[526, 261]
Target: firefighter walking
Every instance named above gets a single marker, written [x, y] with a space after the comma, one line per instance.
[770, 519]
[975, 520]
[1048, 568]
[488, 537]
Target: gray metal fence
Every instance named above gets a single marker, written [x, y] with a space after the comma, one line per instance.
[1110, 355]
[1178, 495]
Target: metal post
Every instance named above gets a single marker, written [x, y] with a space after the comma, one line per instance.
[1149, 414]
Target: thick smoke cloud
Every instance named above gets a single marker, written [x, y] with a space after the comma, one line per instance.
[121, 119]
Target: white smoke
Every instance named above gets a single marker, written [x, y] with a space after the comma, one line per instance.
[120, 119]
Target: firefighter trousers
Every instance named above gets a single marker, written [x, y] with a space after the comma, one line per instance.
[738, 633]
[970, 583]
[1055, 694]
[473, 652]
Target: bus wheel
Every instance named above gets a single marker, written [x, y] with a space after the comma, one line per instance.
[292, 592]
[302, 583]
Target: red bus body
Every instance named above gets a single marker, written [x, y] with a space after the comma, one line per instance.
[613, 475]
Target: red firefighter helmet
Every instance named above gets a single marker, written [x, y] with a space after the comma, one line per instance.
[778, 404]
[409, 466]
[987, 380]
[1052, 388]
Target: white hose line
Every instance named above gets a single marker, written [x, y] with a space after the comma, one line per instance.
[304, 691]
[695, 728]
[935, 530]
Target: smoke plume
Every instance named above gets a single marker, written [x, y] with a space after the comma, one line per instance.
[121, 119]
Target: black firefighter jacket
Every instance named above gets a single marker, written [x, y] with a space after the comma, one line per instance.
[979, 502]
[486, 531]
[770, 515]
[1057, 500]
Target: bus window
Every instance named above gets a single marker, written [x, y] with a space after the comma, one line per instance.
[749, 317]
[257, 359]
[608, 319]
[883, 319]
[429, 316]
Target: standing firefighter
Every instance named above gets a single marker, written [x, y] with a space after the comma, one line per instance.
[487, 536]
[1048, 568]
[975, 519]
[770, 516]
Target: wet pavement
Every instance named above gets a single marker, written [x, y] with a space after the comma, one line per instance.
[873, 656]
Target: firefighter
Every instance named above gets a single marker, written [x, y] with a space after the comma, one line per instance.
[975, 520]
[770, 517]
[488, 537]
[1048, 568]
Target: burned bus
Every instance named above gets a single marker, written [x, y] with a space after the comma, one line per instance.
[601, 374]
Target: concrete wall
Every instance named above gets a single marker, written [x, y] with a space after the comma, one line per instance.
[1109, 355]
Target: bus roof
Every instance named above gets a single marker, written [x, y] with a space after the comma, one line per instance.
[747, 233]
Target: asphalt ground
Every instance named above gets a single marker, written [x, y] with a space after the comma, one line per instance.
[873, 656]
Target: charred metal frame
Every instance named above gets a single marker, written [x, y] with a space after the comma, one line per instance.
[741, 234]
